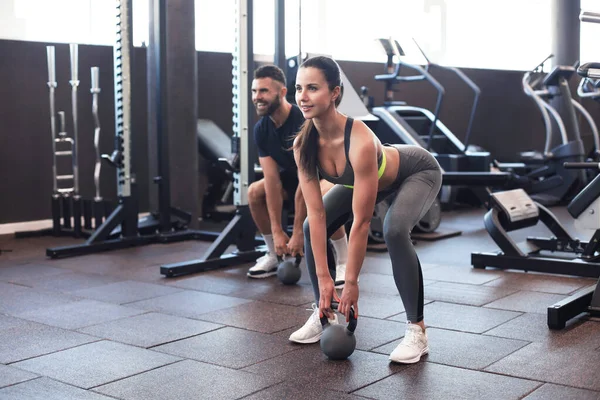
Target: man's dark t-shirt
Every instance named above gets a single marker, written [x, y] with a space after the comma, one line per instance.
[277, 142]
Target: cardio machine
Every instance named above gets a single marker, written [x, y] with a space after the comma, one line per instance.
[589, 88]
[545, 89]
[425, 126]
[467, 174]
[588, 299]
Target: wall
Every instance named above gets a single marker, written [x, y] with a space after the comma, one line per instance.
[506, 121]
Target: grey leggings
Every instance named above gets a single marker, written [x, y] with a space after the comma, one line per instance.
[411, 195]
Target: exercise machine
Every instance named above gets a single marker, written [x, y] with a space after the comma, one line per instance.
[586, 300]
[560, 254]
[543, 89]
[468, 177]
[585, 208]
[215, 147]
[424, 125]
[466, 172]
[589, 88]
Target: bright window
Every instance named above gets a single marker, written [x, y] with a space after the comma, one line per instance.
[61, 21]
[590, 34]
[512, 34]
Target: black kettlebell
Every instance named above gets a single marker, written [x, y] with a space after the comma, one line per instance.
[288, 271]
[338, 341]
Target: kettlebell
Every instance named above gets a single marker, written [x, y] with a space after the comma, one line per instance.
[338, 341]
[288, 271]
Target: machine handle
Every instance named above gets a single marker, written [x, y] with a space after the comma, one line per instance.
[581, 165]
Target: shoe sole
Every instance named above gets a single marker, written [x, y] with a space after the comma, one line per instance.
[307, 341]
[263, 275]
[412, 360]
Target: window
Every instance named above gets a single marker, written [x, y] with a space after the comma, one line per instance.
[590, 34]
[513, 34]
[215, 25]
[61, 21]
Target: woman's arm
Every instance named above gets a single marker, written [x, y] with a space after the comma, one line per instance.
[311, 191]
[363, 158]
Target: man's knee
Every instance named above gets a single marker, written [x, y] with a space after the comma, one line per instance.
[256, 192]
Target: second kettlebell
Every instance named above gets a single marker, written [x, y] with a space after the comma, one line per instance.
[288, 271]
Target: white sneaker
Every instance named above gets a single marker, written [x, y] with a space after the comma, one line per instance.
[265, 266]
[340, 276]
[312, 330]
[413, 346]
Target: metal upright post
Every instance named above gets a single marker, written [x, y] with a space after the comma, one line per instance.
[52, 87]
[159, 32]
[76, 198]
[280, 57]
[242, 67]
[565, 34]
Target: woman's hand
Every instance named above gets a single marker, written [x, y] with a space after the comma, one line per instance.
[326, 293]
[349, 299]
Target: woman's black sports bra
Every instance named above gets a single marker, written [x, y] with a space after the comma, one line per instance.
[347, 177]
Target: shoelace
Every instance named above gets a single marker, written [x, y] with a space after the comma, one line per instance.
[411, 338]
[315, 314]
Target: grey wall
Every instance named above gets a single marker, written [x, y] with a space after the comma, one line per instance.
[507, 121]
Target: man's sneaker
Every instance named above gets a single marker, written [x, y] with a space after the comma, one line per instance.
[340, 276]
[265, 266]
[413, 346]
[312, 330]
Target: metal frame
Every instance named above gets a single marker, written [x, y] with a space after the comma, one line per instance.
[122, 228]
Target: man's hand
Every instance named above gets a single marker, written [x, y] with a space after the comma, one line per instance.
[296, 244]
[281, 239]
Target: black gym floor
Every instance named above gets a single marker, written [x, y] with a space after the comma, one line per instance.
[110, 326]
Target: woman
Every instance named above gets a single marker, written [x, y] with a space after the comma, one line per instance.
[347, 153]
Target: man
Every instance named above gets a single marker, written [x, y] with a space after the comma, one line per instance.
[274, 136]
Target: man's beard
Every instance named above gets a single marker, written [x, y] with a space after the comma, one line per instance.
[272, 107]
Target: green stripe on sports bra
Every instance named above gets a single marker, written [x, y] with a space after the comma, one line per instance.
[379, 172]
